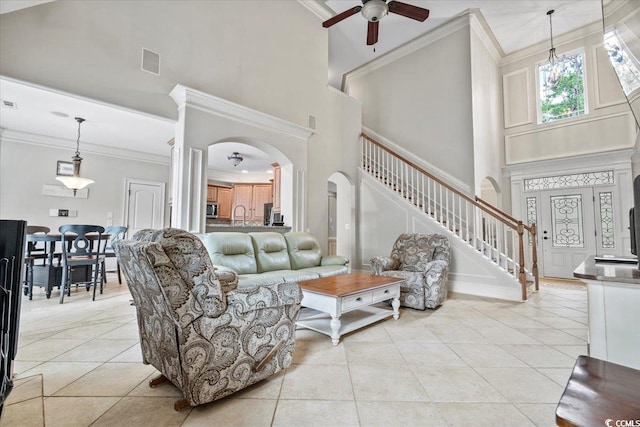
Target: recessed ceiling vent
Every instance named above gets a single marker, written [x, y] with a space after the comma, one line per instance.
[9, 104]
[150, 61]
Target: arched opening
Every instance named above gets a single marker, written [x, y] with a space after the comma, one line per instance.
[342, 191]
[251, 182]
[490, 191]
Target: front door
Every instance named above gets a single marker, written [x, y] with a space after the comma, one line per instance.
[145, 205]
[568, 230]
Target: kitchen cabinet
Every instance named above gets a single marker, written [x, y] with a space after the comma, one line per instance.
[212, 193]
[225, 202]
[224, 197]
[252, 197]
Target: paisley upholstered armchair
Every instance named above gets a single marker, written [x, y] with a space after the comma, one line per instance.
[423, 261]
[205, 336]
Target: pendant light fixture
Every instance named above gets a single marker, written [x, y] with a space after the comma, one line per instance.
[554, 66]
[76, 182]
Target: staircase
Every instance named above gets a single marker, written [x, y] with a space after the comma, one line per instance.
[508, 243]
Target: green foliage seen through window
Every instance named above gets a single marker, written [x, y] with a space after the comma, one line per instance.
[563, 97]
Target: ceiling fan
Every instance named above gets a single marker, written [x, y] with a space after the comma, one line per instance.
[375, 10]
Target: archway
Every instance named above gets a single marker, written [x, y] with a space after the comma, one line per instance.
[490, 191]
[341, 187]
[261, 164]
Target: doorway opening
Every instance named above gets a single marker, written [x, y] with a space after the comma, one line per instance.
[250, 182]
[341, 193]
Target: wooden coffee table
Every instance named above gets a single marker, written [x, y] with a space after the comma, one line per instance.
[345, 302]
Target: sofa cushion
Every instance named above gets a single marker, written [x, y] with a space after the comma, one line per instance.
[275, 277]
[304, 250]
[271, 251]
[263, 279]
[298, 275]
[327, 270]
[232, 250]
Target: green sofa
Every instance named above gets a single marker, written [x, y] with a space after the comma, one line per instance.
[268, 257]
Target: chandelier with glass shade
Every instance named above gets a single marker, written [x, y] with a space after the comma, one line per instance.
[76, 182]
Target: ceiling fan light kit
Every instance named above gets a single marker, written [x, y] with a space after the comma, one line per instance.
[375, 10]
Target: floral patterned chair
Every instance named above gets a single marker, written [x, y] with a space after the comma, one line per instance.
[423, 261]
[210, 340]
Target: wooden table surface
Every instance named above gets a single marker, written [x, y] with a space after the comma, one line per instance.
[598, 391]
[346, 284]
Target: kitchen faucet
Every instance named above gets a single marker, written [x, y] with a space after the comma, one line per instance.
[244, 214]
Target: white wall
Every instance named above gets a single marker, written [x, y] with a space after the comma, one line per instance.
[339, 152]
[422, 100]
[268, 56]
[255, 53]
[608, 125]
[25, 168]
[488, 153]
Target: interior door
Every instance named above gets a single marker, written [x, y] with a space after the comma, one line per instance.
[568, 230]
[145, 206]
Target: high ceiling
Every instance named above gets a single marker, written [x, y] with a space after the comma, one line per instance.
[515, 24]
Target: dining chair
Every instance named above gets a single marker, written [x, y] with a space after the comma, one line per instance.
[115, 233]
[33, 252]
[82, 245]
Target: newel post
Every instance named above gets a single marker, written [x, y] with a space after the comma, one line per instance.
[534, 254]
[522, 277]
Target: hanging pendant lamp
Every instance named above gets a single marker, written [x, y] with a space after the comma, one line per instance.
[554, 66]
[76, 182]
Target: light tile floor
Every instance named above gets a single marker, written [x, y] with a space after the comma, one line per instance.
[474, 361]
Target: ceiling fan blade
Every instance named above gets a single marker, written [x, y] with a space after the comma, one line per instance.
[339, 17]
[408, 10]
[372, 33]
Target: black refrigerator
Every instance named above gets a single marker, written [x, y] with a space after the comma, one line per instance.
[12, 240]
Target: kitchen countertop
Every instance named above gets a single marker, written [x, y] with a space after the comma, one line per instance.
[608, 271]
[247, 228]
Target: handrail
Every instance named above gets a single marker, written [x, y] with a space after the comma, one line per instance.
[497, 247]
[496, 209]
[503, 213]
[439, 181]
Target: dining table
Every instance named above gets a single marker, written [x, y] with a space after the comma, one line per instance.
[47, 260]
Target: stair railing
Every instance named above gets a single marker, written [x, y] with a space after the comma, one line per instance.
[495, 234]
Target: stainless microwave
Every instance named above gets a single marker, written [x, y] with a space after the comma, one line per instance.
[212, 210]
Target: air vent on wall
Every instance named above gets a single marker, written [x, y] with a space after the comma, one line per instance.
[9, 104]
[150, 61]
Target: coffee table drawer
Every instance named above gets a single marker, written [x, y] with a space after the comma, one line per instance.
[385, 293]
[357, 300]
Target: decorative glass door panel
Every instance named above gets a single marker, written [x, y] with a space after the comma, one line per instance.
[566, 221]
[566, 229]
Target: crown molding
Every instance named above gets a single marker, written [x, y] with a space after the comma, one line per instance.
[610, 160]
[318, 8]
[86, 99]
[65, 144]
[444, 30]
[185, 96]
[486, 36]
